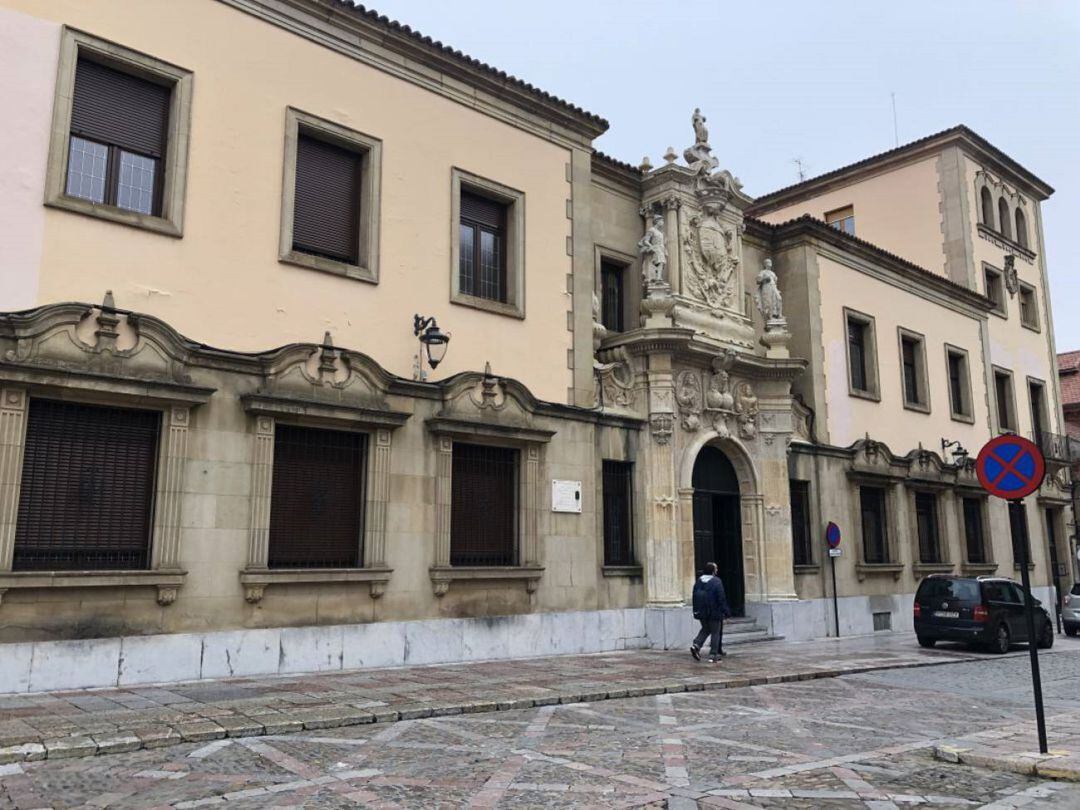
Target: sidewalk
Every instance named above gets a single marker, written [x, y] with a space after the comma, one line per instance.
[101, 721]
[1016, 748]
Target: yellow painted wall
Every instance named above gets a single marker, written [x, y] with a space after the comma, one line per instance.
[851, 418]
[897, 210]
[222, 284]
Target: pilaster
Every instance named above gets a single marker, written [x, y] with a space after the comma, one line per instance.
[662, 551]
[378, 497]
[262, 475]
[171, 461]
[530, 540]
[444, 463]
[13, 412]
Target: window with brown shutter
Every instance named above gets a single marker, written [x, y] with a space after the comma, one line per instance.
[612, 297]
[483, 505]
[618, 512]
[119, 126]
[317, 498]
[482, 247]
[326, 210]
[87, 488]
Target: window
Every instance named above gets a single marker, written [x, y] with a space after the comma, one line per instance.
[120, 135]
[1004, 220]
[1018, 531]
[926, 521]
[1029, 310]
[483, 505]
[862, 355]
[913, 370]
[959, 384]
[487, 254]
[1021, 229]
[618, 512]
[801, 533]
[974, 536]
[986, 200]
[1037, 399]
[1003, 395]
[995, 289]
[843, 219]
[317, 498]
[330, 198]
[875, 538]
[87, 488]
[612, 296]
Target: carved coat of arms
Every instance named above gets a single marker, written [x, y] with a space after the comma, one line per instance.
[711, 260]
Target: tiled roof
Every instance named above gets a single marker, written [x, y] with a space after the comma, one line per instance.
[959, 131]
[1068, 364]
[616, 163]
[395, 27]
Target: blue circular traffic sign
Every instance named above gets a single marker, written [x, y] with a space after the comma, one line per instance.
[1010, 467]
[832, 535]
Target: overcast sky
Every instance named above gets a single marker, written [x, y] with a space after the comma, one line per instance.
[808, 80]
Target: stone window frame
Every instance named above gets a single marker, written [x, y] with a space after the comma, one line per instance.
[1001, 308]
[922, 376]
[174, 403]
[873, 392]
[267, 411]
[530, 442]
[965, 385]
[889, 484]
[637, 516]
[631, 281]
[514, 306]
[1029, 323]
[369, 148]
[1010, 404]
[939, 491]
[966, 565]
[1044, 415]
[73, 43]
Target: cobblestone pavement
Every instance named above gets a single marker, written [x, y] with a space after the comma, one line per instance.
[87, 722]
[853, 741]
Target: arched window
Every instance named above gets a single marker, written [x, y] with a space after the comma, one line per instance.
[1004, 220]
[987, 208]
[1021, 228]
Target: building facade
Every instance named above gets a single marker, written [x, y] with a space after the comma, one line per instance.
[224, 450]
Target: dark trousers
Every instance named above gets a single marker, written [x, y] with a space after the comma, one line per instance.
[714, 628]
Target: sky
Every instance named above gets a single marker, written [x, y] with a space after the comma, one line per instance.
[813, 81]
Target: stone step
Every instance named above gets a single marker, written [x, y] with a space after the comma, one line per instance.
[749, 637]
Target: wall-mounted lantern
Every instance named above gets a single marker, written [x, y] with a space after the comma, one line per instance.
[433, 343]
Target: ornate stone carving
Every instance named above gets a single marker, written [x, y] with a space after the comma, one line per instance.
[689, 398]
[746, 410]
[599, 331]
[662, 425]
[711, 259]
[166, 594]
[767, 298]
[699, 156]
[653, 251]
[724, 405]
[616, 378]
[1012, 283]
[490, 392]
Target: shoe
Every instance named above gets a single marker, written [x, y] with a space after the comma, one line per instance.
[721, 654]
[696, 652]
[714, 660]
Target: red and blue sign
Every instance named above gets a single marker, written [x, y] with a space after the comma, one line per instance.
[1010, 467]
[832, 535]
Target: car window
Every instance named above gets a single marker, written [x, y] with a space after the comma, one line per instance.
[1075, 589]
[1016, 593]
[996, 592]
[961, 590]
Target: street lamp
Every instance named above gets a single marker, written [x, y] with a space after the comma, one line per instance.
[959, 454]
[432, 343]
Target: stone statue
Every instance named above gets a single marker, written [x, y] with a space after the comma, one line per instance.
[711, 260]
[746, 408]
[699, 156]
[1012, 282]
[768, 299]
[719, 396]
[701, 134]
[653, 253]
[688, 395]
[599, 331]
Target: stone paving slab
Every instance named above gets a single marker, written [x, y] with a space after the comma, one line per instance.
[1016, 749]
[85, 723]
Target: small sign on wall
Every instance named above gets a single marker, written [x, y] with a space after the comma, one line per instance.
[566, 496]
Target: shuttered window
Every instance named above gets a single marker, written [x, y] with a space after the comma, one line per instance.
[317, 498]
[801, 533]
[926, 523]
[611, 295]
[119, 125]
[483, 505]
[875, 539]
[87, 488]
[326, 209]
[618, 512]
[482, 247]
[974, 536]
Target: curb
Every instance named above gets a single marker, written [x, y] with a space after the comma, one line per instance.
[204, 729]
[1048, 766]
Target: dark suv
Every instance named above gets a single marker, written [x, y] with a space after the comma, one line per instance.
[988, 611]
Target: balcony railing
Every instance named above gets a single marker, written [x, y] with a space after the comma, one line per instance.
[1057, 448]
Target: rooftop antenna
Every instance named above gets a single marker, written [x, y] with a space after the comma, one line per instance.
[801, 168]
[895, 128]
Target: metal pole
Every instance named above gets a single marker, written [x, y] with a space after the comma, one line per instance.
[1033, 646]
[835, 601]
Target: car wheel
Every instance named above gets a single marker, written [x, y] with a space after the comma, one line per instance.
[1001, 641]
[927, 642]
[1046, 639]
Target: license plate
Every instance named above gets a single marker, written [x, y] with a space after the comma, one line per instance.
[946, 614]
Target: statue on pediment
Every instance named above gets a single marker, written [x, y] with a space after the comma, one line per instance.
[653, 253]
[768, 299]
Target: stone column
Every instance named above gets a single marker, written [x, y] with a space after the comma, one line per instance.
[444, 465]
[662, 554]
[530, 540]
[686, 541]
[170, 487]
[13, 412]
[777, 561]
[753, 534]
[378, 496]
[262, 476]
[672, 204]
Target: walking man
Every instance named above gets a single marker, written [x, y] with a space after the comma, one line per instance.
[710, 608]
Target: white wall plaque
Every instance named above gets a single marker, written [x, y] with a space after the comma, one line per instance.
[566, 496]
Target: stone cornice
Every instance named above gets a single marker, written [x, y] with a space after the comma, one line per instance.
[400, 51]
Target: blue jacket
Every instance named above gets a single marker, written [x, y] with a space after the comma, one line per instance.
[710, 601]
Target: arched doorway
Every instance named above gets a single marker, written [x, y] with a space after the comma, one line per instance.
[717, 523]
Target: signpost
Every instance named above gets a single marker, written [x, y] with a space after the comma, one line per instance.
[832, 537]
[1011, 467]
